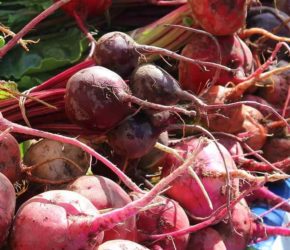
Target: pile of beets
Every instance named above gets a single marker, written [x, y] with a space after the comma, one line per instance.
[142, 147]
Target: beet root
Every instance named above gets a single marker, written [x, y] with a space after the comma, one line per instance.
[241, 220]
[134, 137]
[86, 8]
[220, 17]
[93, 96]
[106, 194]
[55, 161]
[10, 158]
[277, 149]
[208, 159]
[234, 53]
[115, 52]
[163, 217]
[206, 239]
[7, 208]
[67, 216]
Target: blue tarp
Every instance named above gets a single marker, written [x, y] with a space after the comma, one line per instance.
[274, 218]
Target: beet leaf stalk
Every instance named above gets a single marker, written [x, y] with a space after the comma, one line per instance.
[28, 27]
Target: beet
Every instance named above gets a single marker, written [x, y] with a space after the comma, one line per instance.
[114, 51]
[7, 208]
[164, 217]
[276, 149]
[241, 220]
[10, 158]
[119, 52]
[152, 83]
[276, 88]
[272, 20]
[86, 8]
[206, 239]
[220, 17]
[59, 221]
[232, 145]
[56, 161]
[106, 194]
[134, 137]
[185, 189]
[234, 52]
[93, 96]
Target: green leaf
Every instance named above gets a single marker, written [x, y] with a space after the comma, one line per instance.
[2, 41]
[9, 85]
[58, 51]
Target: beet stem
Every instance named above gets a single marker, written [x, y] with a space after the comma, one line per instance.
[83, 28]
[28, 27]
[215, 217]
[63, 76]
[109, 220]
[146, 104]
[161, 51]
[264, 231]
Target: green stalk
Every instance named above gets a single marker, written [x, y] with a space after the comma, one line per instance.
[157, 34]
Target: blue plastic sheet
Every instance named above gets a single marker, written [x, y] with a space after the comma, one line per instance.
[275, 218]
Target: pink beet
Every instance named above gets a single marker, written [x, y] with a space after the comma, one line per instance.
[206, 239]
[106, 194]
[185, 189]
[7, 207]
[10, 158]
[166, 216]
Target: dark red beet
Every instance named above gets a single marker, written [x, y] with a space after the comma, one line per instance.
[276, 90]
[220, 17]
[152, 83]
[120, 53]
[283, 5]
[93, 100]
[116, 52]
[164, 217]
[134, 137]
[10, 158]
[272, 20]
[276, 149]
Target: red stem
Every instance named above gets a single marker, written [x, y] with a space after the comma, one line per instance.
[28, 27]
[265, 66]
[109, 220]
[264, 231]
[64, 76]
[264, 194]
[83, 28]
[217, 216]
[252, 165]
